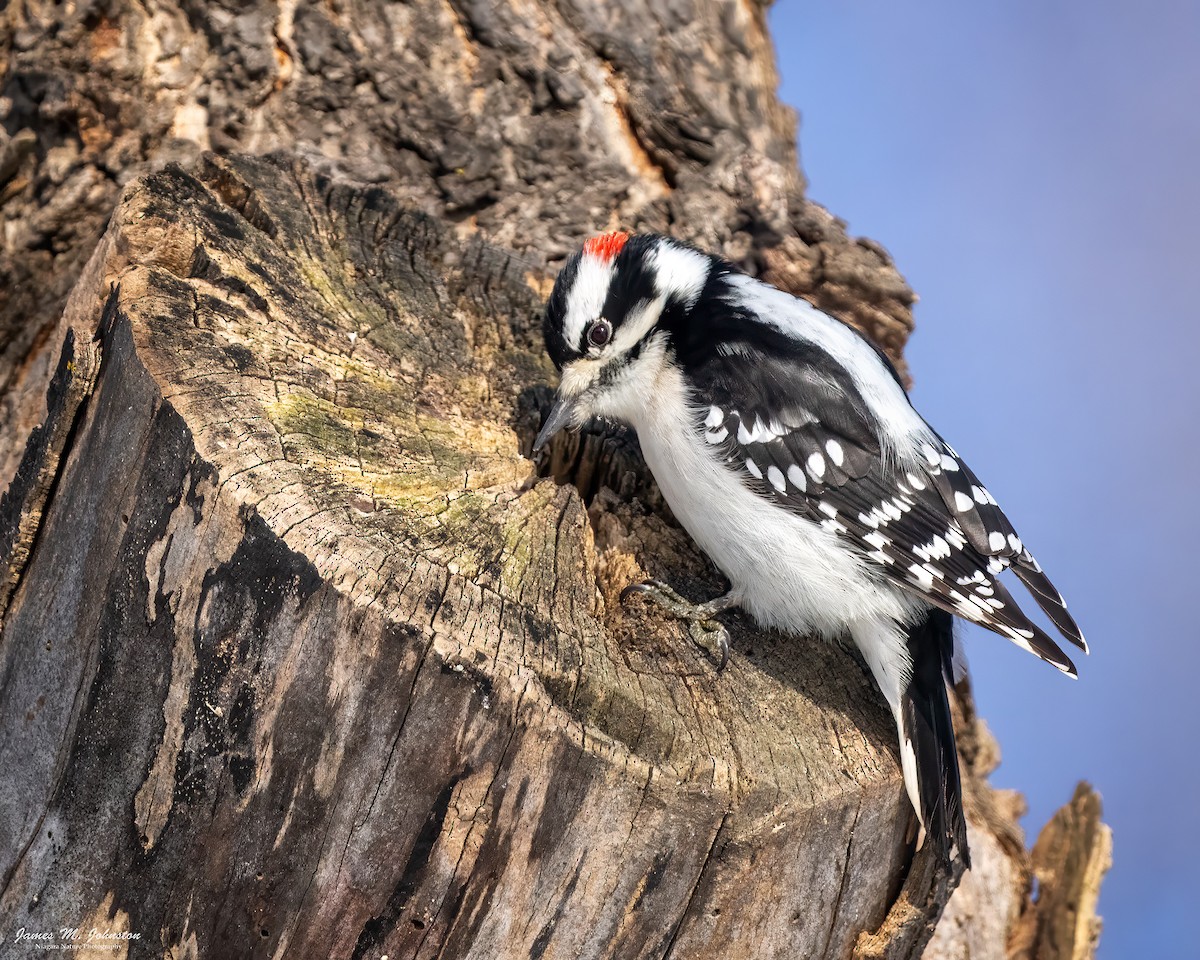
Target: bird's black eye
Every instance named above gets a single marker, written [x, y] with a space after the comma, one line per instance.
[599, 332]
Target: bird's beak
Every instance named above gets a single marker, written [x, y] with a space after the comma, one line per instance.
[561, 415]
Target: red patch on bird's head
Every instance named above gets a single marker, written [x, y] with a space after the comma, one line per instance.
[606, 246]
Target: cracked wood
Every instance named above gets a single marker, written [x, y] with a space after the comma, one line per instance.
[342, 639]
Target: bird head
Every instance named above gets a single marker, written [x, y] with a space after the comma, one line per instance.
[609, 321]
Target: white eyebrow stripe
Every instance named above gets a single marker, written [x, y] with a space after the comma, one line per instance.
[586, 298]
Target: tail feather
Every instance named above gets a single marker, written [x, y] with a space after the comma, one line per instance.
[911, 666]
[927, 738]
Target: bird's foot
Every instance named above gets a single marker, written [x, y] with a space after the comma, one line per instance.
[701, 620]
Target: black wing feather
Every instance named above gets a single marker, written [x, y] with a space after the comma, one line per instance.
[992, 535]
[935, 531]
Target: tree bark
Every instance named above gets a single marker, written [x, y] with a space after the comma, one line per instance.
[299, 656]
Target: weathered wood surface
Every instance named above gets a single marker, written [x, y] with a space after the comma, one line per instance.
[331, 676]
[319, 668]
[534, 123]
[296, 659]
[1070, 859]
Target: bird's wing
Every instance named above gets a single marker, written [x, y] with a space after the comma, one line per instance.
[935, 531]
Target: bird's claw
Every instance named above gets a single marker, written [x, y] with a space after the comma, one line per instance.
[700, 621]
[647, 586]
[663, 596]
[702, 632]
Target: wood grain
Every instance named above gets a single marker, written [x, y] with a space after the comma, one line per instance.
[299, 654]
[324, 644]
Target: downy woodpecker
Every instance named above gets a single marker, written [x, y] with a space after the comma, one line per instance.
[785, 444]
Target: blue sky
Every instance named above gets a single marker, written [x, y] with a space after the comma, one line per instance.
[1034, 168]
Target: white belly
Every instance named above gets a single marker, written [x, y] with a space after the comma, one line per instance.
[791, 573]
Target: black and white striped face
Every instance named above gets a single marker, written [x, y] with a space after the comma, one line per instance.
[603, 323]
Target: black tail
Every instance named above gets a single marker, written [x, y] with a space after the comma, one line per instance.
[925, 711]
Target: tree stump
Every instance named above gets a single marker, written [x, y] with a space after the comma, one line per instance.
[335, 674]
[300, 654]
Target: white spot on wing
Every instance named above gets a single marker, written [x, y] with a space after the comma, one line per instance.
[935, 549]
[816, 466]
[776, 478]
[921, 577]
[1019, 640]
[753, 468]
[796, 475]
[715, 417]
[996, 540]
[835, 451]
[962, 503]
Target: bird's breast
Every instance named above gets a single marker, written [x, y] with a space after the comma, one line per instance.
[792, 573]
